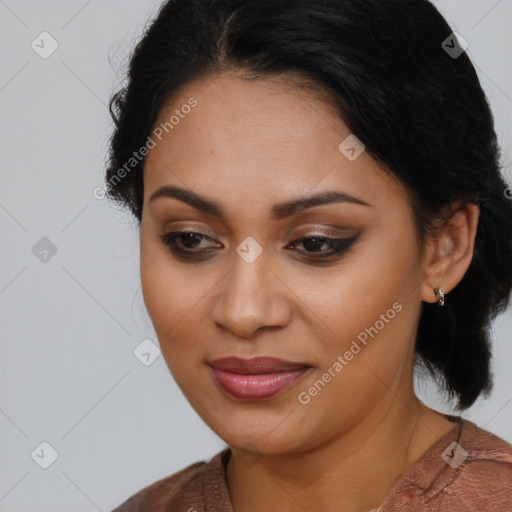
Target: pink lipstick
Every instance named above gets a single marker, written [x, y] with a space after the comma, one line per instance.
[258, 378]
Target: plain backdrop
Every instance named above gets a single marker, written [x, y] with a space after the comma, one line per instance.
[72, 312]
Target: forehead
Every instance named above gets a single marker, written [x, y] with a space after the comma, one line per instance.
[257, 143]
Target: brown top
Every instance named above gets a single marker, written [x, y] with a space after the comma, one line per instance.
[474, 475]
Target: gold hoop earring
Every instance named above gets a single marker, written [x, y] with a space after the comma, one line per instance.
[440, 296]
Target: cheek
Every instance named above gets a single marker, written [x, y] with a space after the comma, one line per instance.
[351, 296]
[175, 298]
[156, 283]
[363, 312]
[164, 289]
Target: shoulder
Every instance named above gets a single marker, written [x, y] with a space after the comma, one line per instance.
[467, 469]
[183, 489]
[482, 475]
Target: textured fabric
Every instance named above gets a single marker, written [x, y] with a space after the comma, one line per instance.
[473, 476]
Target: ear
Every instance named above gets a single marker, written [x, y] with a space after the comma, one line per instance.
[448, 254]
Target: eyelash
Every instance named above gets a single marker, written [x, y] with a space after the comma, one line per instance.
[339, 245]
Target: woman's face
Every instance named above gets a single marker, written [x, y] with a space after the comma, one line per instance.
[250, 287]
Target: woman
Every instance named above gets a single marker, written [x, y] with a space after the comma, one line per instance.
[321, 211]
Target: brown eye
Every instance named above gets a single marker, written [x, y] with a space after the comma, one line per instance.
[316, 244]
[184, 242]
[187, 245]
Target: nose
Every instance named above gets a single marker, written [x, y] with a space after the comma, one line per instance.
[252, 296]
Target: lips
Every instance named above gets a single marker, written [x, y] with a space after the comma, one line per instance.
[257, 378]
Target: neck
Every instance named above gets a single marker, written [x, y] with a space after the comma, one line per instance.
[350, 472]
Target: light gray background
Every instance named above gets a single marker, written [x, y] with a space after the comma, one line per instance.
[69, 325]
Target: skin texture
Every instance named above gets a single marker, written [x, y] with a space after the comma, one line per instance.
[249, 145]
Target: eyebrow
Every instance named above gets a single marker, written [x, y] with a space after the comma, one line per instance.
[278, 211]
